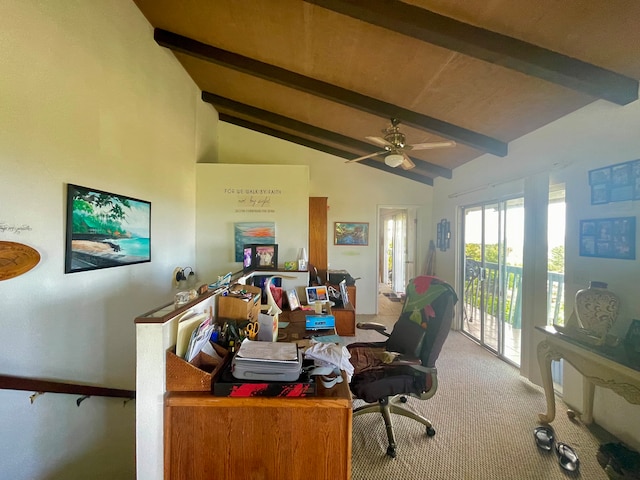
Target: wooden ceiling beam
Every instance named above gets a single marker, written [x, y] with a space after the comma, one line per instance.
[322, 147]
[306, 129]
[489, 46]
[209, 53]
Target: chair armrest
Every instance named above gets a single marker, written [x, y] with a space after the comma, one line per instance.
[378, 327]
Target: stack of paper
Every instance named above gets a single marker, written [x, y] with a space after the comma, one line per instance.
[268, 351]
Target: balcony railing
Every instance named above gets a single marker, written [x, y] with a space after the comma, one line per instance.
[511, 303]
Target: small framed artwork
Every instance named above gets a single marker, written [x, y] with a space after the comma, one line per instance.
[615, 183]
[317, 294]
[350, 233]
[105, 230]
[266, 257]
[600, 176]
[292, 297]
[608, 238]
[599, 194]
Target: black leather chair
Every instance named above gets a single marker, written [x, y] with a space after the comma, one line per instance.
[386, 373]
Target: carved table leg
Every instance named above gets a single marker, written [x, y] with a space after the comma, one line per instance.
[588, 389]
[545, 356]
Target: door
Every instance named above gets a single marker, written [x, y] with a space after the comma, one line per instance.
[398, 246]
[492, 296]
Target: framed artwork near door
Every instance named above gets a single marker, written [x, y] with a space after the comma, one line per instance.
[350, 233]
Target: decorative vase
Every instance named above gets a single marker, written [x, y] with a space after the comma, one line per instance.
[597, 310]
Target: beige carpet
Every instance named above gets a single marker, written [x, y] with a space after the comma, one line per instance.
[484, 414]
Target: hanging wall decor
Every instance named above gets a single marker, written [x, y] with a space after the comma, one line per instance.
[246, 233]
[105, 230]
[350, 233]
[615, 183]
[16, 259]
[443, 240]
[608, 238]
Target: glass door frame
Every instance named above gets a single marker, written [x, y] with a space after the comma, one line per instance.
[496, 279]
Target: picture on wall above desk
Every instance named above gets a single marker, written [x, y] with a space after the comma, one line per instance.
[105, 230]
[615, 183]
[350, 233]
[246, 233]
[608, 238]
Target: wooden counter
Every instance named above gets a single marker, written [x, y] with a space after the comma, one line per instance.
[262, 438]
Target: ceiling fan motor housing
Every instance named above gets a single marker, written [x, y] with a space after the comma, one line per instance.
[395, 137]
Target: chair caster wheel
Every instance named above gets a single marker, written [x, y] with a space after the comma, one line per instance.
[431, 431]
[391, 451]
[403, 399]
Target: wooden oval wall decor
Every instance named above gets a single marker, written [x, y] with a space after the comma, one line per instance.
[16, 259]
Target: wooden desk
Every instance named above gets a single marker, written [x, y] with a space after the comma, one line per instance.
[604, 366]
[209, 437]
[345, 322]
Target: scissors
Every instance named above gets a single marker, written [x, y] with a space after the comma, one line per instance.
[251, 330]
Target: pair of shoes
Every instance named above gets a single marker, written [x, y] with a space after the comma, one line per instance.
[545, 439]
[567, 457]
[545, 436]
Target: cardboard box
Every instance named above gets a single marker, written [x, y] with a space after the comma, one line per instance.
[239, 307]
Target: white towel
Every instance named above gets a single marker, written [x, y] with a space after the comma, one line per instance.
[330, 354]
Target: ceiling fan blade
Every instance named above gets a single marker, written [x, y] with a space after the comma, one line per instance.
[365, 157]
[407, 164]
[380, 141]
[428, 146]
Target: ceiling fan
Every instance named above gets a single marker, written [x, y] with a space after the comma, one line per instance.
[395, 146]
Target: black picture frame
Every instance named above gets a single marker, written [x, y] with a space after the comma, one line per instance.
[608, 238]
[105, 230]
[262, 256]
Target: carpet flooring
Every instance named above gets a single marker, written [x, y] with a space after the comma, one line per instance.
[484, 414]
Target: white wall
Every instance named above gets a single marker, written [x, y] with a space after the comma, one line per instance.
[87, 97]
[227, 194]
[598, 135]
[354, 192]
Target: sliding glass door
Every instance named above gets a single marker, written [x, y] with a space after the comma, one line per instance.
[493, 239]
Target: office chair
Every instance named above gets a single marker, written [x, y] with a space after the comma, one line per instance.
[386, 373]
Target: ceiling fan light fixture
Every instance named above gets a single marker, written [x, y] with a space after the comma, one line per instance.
[394, 160]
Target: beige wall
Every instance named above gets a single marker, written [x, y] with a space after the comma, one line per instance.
[354, 193]
[227, 194]
[86, 97]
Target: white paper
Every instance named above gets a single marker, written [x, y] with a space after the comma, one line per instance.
[268, 351]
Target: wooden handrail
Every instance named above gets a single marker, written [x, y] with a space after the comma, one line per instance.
[10, 382]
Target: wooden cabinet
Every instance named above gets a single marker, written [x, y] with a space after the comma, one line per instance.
[345, 320]
[346, 316]
[318, 235]
[259, 438]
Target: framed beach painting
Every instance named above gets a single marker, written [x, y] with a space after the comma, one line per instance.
[350, 233]
[105, 230]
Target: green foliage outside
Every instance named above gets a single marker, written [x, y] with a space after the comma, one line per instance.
[473, 251]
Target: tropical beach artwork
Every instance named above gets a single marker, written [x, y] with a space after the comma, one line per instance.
[349, 233]
[105, 230]
[246, 233]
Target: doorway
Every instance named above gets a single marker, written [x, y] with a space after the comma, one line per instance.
[396, 259]
[493, 235]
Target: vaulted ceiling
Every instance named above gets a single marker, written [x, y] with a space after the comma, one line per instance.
[329, 73]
